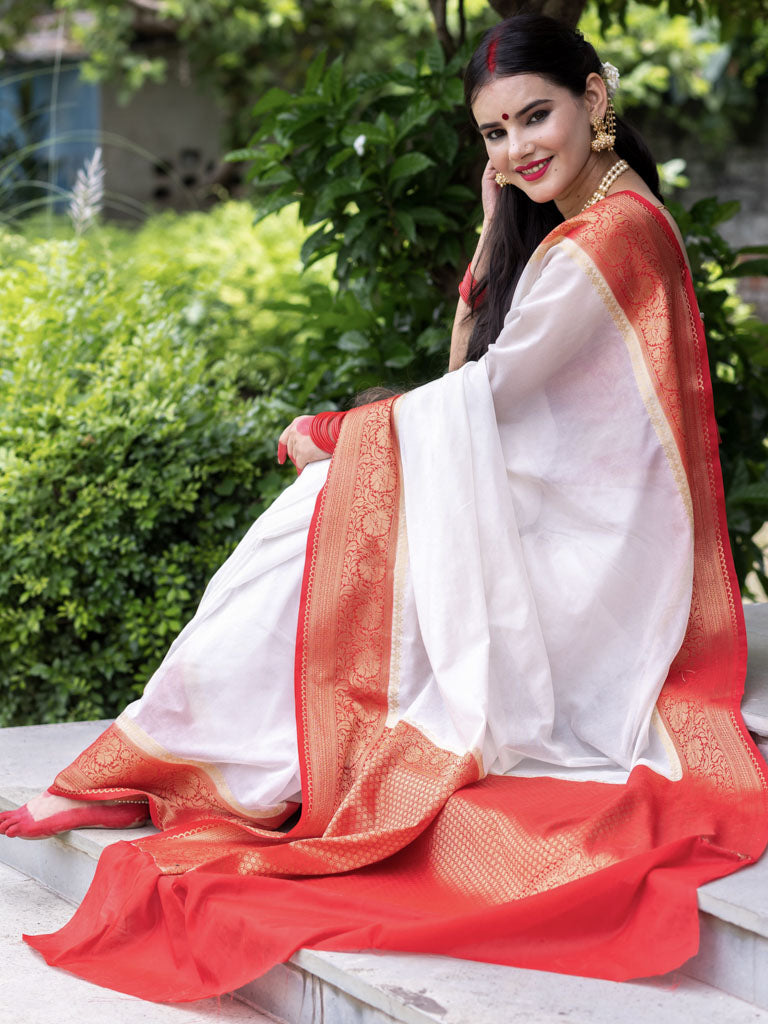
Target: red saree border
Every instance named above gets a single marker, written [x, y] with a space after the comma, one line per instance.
[365, 448]
[178, 790]
[629, 242]
[716, 480]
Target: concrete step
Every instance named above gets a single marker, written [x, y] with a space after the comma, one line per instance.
[370, 988]
[733, 953]
[755, 704]
[335, 988]
[34, 993]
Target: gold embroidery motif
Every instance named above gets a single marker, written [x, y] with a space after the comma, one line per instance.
[697, 742]
[371, 790]
[123, 761]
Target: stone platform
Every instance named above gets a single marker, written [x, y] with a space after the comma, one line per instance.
[727, 981]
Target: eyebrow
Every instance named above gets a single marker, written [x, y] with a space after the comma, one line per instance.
[520, 113]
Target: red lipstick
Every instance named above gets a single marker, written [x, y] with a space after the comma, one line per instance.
[527, 173]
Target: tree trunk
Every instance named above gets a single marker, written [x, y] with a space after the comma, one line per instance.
[437, 7]
[568, 11]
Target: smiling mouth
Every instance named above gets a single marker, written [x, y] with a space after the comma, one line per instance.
[530, 172]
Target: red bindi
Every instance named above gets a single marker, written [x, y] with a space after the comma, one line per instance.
[505, 117]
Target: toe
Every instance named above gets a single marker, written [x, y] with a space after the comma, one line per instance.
[7, 819]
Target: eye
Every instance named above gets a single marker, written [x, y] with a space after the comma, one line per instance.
[537, 116]
[494, 134]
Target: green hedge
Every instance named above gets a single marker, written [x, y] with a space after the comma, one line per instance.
[143, 385]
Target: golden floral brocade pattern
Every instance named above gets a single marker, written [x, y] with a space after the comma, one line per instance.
[373, 791]
[699, 703]
[124, 763]
[368, 790]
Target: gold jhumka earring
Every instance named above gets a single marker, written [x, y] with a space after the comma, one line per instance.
[604, 129]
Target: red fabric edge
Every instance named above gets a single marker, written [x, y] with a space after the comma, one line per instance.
[709, 406]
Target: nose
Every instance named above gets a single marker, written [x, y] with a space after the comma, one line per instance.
[517, 147]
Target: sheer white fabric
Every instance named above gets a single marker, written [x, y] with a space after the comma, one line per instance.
[544, 574]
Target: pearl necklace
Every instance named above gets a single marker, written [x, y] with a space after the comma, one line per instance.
[618, 169]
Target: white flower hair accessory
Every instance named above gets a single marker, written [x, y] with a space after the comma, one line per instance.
[610, 76]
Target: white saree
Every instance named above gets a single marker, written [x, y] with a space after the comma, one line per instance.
[542, 591]
[494, 648]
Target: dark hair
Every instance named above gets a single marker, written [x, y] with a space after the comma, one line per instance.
[532, 44]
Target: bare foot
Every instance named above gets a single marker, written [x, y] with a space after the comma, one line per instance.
[47, 814]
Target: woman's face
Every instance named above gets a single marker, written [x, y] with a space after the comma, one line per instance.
[538, 133]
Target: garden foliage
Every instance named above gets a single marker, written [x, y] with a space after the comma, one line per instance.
[140, 388]
[380, 165]
[738, 354]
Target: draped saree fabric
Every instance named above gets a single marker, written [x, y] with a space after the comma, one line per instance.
[514, 731]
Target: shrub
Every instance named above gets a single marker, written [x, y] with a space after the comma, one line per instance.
[137, 443]
[738, 355]
[379, 165]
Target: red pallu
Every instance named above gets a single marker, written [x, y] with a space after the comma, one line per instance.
[400, 844]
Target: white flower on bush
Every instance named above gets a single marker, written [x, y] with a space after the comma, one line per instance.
[611, 78]
[359, 145]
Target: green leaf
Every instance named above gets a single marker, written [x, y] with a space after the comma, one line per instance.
[272, 99]
[275, 175]
[460, 194]
[355, 227]
[236, 155]
[399, 355]
[386, 126]
[750, 268]
[352, 341]
[333, 81]
[339, 158]
[317, 241]
[434, 56]
[408, 165]
[434, 340]
[430, 215]
[749, 494]
[406, 224]
[374, 80]
[315, 72]
[446, 141]
[453, 93]
[710, 211]
[329, 194]
[416, 113]
[372, 132]
[272, 204]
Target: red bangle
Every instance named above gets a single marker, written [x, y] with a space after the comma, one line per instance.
[468, 287]
[325, 428]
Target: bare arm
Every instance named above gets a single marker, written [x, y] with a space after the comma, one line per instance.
[464, 320]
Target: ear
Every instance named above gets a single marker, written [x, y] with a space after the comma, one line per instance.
[595, 95]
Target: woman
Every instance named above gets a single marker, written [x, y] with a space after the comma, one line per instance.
[515, 729]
